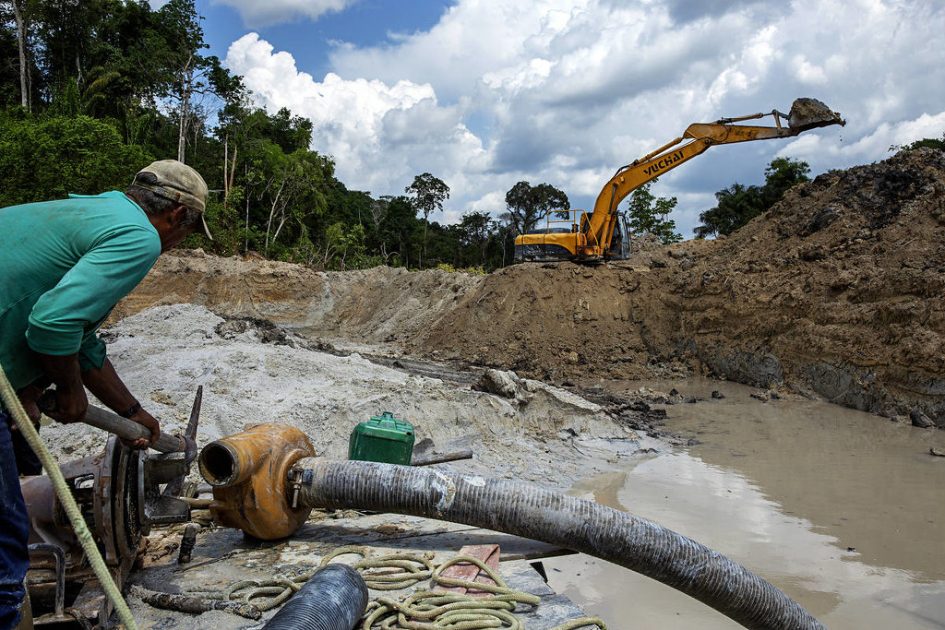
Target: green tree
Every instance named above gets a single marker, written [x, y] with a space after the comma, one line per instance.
[475, 233]
[260, 162]
[391, 225]
[21, 16]
[504, 242]
[343, 247]
[780, 176]
[398, 229]
[64, 31]
[739, 204]
[527, 204]
[193, 70]
[928, 143]
[289, 192]
[442, 245]
[290, 132]
[47, 158]
[648, 214]
[429, 193]
[736, 205]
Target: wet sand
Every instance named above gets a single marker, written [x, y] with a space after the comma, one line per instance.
[843, 510]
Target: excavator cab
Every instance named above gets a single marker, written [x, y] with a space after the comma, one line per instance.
[620, 241]
[545, 243]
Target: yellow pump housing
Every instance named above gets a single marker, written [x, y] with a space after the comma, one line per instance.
[249, 473]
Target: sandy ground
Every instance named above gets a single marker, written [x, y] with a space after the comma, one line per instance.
[253, 374]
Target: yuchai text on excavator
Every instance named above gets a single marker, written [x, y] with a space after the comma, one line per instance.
[601, 234]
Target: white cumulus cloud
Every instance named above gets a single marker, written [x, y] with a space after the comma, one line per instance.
[566, 91]
[256, 14]
[380, 135]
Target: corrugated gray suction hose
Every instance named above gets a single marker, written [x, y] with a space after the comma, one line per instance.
[334, 599]
[539, 514]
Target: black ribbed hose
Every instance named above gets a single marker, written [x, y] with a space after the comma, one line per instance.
[531, 512]
[334, 599]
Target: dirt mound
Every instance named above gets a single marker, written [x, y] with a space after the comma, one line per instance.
[554, 321]
[377, 305]
[837, 291]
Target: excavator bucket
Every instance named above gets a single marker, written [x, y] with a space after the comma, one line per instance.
[809, 113]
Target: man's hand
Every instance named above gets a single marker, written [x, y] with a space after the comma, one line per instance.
[108, 387]
[29, 398]
[71, 404]
[149, 422]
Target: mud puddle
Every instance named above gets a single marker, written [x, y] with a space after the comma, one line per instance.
[841, 509]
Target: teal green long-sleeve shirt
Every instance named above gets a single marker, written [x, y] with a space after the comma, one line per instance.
[63, 266]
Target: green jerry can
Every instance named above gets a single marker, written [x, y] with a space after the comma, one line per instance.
[384, 439]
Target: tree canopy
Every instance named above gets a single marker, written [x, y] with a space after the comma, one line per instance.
[738, 204]
[57, 155]
[927, 143]
[649, 214]
[429, 193]
[93, 90]
[528, 205]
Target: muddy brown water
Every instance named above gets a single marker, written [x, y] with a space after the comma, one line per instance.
[843, 510]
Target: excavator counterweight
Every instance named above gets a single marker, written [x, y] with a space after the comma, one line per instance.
[601, 234]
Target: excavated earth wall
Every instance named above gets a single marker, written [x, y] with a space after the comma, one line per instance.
[836, 292]
[839, 291]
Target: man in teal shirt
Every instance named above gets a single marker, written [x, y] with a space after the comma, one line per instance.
[63, 266]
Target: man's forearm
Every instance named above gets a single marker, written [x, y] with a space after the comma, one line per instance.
[107, 386]
[64, 371]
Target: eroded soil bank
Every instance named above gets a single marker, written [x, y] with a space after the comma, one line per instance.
[838, 293]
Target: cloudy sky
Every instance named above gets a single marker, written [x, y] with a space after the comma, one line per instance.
[485, 93]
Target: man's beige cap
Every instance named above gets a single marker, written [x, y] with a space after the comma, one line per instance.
[178, 182]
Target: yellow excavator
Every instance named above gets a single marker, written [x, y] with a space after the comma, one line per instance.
[602, 234]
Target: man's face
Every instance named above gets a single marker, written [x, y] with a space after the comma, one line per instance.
[171, 229]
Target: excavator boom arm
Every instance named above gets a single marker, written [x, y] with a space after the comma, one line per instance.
[591, 238]
[700, 137]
